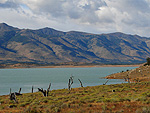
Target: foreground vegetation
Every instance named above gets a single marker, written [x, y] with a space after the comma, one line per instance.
[127, 97]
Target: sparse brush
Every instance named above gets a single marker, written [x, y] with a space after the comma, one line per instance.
[83, 99]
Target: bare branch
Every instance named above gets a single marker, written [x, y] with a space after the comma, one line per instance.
[71, 79]
[19, 90]
[105, 82]
[43, 91]
[80, 83]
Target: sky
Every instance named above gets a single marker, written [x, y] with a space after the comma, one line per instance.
[92, 16]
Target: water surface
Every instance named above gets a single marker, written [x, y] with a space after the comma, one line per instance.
[58, 77]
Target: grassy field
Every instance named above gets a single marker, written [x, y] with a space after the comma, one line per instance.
[127, 97]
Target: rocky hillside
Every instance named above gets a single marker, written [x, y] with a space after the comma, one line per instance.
[51, 46]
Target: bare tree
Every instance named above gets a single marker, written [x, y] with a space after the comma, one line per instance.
[70, 82]
[69, 85]
[45, 93]
[13, 95]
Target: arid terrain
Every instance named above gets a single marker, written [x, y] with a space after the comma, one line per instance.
[64, 65]
[49, 46]
[133, 97]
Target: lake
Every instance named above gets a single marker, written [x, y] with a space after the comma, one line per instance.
[58, 77]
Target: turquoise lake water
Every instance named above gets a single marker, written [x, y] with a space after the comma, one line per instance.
[58, 77]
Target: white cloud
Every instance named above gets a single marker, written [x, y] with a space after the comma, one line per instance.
[96, 16]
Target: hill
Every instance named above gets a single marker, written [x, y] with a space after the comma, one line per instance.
[49, 46]
[140, 74]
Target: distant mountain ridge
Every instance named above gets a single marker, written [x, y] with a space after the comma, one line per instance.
[48, 46]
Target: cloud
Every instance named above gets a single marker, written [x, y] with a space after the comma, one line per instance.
[8, 4]
[84, 10]
[96, 16]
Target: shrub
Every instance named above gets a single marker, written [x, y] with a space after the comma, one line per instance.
[57, 109]
[89, 105]
[91, 100]
[142, 98]
[145, 109]
[104, 107]
[24, 104]
[64, 105]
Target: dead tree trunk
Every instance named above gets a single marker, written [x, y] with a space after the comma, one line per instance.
[48, 89]
[32, 89]
[44, 93]
[10, 91]
[19, 90]
[69, 85]
[80, 83]
[70, 82]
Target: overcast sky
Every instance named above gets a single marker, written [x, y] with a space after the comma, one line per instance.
[93, 16]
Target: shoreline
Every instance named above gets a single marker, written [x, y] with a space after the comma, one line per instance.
[65, 88]
[68, 66]
[86, 66]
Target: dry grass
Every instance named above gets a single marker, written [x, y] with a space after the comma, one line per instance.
[105, 98]
[136, 75]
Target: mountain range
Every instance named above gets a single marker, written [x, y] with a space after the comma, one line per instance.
[50, 46]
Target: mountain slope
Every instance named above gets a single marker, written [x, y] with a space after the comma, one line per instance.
[51, 46]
